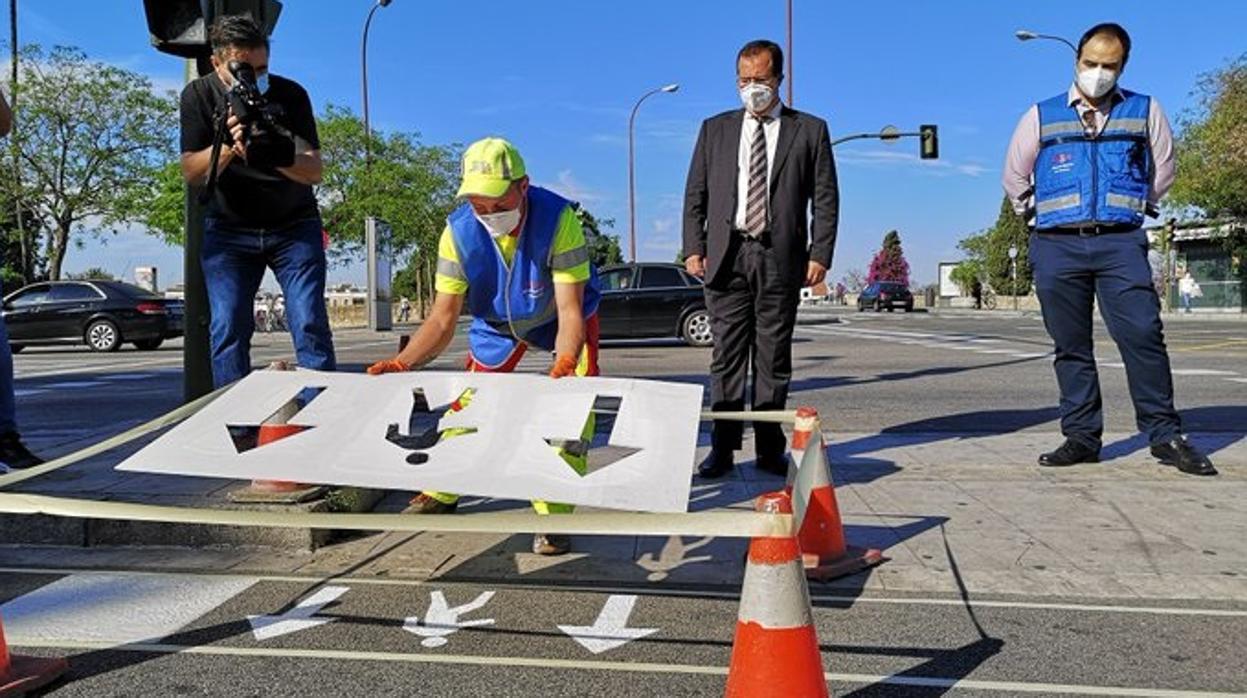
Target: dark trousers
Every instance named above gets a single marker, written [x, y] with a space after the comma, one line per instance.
[1070, 272]
[752, 313]
[234, 262]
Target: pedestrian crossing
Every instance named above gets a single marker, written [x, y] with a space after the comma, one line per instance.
[26, 387]
[980, 344]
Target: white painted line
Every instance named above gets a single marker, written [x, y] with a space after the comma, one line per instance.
[849, 600]
[115, 608]
[134, 376]
[1237, 380]
[631, 667]
[1031, 355]
[995, 351]
[27, 393]
[1201, 372]
[99, 368]
[1110, 364]
[75, 385]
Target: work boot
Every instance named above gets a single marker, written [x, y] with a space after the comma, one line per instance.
[551, 544]
[1182, 455]
[1071, 452]
[14, 455]
[424, 504]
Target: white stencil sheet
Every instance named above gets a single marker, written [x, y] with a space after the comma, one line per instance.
[508, 455]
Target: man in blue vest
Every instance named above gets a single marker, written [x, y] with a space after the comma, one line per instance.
[1084, 168]
[515, 256]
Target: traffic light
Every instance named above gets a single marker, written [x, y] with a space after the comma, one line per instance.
[929, 147]
[180, 27]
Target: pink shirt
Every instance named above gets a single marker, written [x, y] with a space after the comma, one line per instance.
[1024, 149]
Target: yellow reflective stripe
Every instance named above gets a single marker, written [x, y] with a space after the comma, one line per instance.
[576, 275]
[1061, 127]
[1122, 201]
[1059, 203]
[570, 258]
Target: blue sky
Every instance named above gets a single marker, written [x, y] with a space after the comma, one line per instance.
[559, 77]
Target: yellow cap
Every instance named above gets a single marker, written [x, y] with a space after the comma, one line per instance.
[490, 165]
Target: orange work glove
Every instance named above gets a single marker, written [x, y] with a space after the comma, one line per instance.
[564, 365]
[388, 366]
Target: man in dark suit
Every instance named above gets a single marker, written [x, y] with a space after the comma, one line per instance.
[755, 175]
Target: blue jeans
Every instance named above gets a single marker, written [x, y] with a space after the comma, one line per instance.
[233, 264]
[8, 403]
[1070, 272]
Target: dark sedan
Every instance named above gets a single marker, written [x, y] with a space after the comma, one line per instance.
[883, 295]
[101, 314]
[650, 300]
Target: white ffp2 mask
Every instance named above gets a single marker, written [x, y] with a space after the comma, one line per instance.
[1096, 82]
[501, 223]
[756, 96]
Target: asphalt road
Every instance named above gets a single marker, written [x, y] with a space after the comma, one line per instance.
[867, 373]
[379, 637]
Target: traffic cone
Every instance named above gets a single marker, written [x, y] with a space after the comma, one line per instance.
[824, 550]
[775, 651]
[20, 675]
[268, 434]
[802, 429]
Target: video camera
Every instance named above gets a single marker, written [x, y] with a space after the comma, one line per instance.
[268, 143]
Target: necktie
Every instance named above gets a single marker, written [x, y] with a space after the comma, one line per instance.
[756, 201]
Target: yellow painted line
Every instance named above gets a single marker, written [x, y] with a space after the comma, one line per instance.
[1214, 345]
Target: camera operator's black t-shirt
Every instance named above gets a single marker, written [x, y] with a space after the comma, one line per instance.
[249, 197]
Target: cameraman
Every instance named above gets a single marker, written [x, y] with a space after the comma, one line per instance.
[262, 212]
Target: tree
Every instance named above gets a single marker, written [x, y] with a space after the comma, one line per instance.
[987, 254]
[603, 248]
[98, 273]
[94, 138]
[1212, 146]
[889, 263]
[854, 280]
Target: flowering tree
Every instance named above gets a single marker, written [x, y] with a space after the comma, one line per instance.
[889, 263]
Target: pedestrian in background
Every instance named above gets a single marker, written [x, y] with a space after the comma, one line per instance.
[1084, 168]
[404, 310]
[13, 453]
[1189, 288]
[756, 174]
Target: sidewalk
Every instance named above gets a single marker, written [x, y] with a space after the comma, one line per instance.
[948, 509]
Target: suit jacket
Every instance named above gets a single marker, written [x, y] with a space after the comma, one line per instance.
[803, 176]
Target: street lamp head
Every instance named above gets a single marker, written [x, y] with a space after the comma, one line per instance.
[1024, 35]
[671, 88]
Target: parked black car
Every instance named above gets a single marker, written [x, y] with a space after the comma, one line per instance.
[652, 299]
[883, 295]
[100, 314]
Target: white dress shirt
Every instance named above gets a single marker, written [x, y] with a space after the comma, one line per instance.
[747, 130]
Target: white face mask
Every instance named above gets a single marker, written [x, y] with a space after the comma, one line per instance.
[1096, 82]
[501, 223]
[757, 96]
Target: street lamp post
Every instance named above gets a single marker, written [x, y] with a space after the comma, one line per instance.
[632, 166]
[363, 69]
[1013, 271]
[1025, 35]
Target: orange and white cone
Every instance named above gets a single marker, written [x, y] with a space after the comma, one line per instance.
[20, 675]
[268, 434]
[825, 552]
[775, 651]
[802, 430]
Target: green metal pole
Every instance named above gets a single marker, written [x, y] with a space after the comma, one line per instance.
[196, 355]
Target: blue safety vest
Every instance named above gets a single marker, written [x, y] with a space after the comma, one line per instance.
[1085, 180]
[513, 304]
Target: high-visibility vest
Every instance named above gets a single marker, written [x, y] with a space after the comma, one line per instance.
[515, 303]
[1093, 180]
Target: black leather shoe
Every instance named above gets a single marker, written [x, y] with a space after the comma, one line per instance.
[1182, 455]
[1070, 453]
[775, 465]
[717, 465]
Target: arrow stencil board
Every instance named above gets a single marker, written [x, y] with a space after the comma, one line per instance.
[497, 438]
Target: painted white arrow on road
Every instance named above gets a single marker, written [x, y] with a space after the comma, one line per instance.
[301, 617]
[611, 629]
